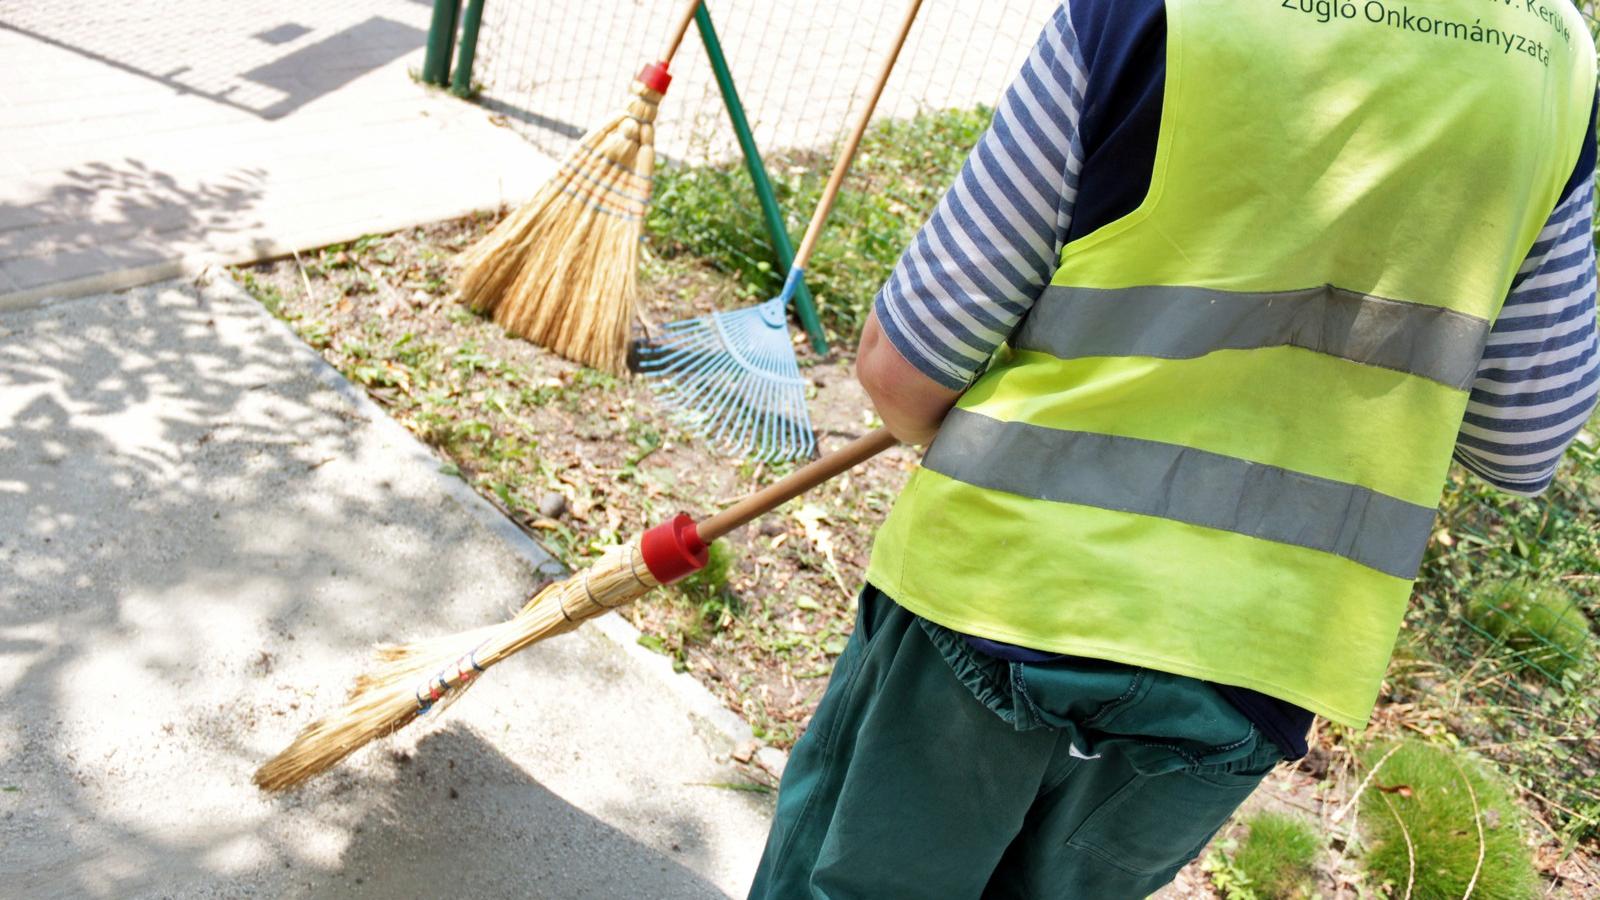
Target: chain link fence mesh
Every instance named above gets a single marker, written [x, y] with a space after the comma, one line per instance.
[801, 70]
[1499, 649]
[555, 69]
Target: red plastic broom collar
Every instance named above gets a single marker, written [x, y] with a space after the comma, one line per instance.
[655, 75]
[673, 549]
[677, 548]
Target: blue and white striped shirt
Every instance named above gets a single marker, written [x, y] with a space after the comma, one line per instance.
[995, 239]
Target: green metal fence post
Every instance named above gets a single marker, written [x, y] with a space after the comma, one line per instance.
[461, 80]
[441, 41]
[771, 215]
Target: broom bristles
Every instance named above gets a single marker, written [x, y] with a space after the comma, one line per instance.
[409, 680]
[562, 270]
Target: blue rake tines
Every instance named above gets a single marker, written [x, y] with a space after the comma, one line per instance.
[732, 378]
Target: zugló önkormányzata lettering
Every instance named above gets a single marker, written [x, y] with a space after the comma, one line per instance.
[1376, 12]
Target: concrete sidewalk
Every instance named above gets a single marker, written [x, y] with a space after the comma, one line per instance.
[138, 136]
[202, 530]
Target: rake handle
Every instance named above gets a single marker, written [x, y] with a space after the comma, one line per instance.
[852, 143]
[796, 483]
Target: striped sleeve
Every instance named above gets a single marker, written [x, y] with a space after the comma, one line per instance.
[994, 240]
[1539, 377]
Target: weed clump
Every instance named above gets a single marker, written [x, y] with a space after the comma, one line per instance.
[1424, 811]
[713, 578]
[1279, 856]
[1540, 623]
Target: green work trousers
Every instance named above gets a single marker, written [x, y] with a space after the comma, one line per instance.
[934, 771]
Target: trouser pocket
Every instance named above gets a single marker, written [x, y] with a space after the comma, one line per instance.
[1154, 824]
[1162, 723]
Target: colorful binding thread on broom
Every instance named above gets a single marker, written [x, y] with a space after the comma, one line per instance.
[622, 186]
[440, 685]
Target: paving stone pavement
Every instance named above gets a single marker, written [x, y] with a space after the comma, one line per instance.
[140, 135]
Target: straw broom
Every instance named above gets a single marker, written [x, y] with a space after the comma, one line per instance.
[410, 681]
[562, 270]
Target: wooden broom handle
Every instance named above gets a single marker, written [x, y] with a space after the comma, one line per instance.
[854, 141]
[776, 494]
[684, 19]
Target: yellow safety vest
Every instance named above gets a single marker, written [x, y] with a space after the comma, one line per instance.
[1217, 443]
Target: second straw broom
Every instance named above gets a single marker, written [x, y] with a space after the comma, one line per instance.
[562, 271]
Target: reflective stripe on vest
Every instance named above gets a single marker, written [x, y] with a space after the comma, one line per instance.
[1186, 322]
[1186, 485]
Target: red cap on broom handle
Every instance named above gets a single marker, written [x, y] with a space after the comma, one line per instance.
[654, 75]
[673, 549]
[677, 548]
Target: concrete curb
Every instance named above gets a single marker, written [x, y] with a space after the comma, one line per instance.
[720, 726]
[192, 265]
[104, 283]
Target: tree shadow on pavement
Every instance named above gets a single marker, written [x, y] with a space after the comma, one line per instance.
[427, 835]
[106, 217]
[200, 538]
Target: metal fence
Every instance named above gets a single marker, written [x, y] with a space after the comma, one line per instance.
[557, 68]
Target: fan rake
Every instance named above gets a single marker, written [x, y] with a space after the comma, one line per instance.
[732, 377]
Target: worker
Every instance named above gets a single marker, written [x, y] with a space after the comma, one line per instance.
[1192, 341]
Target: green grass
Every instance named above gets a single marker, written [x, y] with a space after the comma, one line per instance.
[266, 294]
[1275, 861]
[1489, 534]
[1540, 623]
[1279, 856]
[1498, 638]
[904, 167]
[1418, 807]
[700, 605]
[713, 579]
